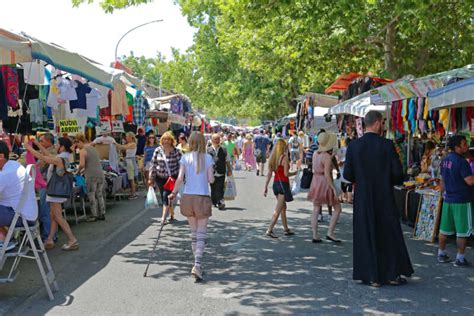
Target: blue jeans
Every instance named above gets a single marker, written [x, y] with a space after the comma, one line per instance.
[6, 217]
[44, 215]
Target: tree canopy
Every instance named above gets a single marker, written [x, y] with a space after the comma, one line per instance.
[250, 58]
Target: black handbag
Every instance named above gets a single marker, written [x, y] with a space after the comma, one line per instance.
[306, 178]
[60, 186]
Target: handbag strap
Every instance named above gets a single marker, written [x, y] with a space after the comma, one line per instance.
[166, 162]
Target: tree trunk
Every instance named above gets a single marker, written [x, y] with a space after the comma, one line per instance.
[389, 46]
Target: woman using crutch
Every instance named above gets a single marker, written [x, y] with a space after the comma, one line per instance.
[196, 204]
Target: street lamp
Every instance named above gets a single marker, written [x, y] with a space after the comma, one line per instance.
[133, 29]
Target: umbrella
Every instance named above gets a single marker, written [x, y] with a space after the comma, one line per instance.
[459, 94]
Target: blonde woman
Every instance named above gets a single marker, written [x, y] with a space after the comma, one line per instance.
[165, 164]
[131, 162]
[248, 153]
[89, 163]
[196, 204]
[279, 164]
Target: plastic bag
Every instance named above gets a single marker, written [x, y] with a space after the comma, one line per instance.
[296, 186]
[230, 189]
[151, 200]
[238, 166]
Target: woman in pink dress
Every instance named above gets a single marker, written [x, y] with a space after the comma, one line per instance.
[322, 190]
[248, 153]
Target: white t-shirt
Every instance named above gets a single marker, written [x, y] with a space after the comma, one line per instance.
[196, 184]
[34, 73]
[12, 178]
[107, 140]
[293, 141]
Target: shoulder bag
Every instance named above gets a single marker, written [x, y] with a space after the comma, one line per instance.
[170, 182]
[60, 186]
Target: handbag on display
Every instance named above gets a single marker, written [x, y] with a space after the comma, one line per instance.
[170, 182]
[60, 186]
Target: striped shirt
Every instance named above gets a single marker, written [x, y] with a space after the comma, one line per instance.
[158, 168]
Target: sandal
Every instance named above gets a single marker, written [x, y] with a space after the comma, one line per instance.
[73, 246]
[372, 284]
[315, 241]
[271, 234]
[49, 245]
[289, 232]
[398, 281]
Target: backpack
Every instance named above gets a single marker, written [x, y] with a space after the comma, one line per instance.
[295, 144]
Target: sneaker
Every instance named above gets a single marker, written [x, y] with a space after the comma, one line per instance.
[258, 173]
[459, 263]
[196, 272]
[443, 258]
[221, 206]
[101, 218]
[11, 245]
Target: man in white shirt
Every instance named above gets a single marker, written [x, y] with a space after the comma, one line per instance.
[104, 139]
[12, 179]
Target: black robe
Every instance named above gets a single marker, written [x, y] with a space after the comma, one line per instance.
[380, 254]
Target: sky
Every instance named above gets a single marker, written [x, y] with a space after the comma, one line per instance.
[90, 31]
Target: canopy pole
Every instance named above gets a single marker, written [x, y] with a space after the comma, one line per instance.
[408, 149]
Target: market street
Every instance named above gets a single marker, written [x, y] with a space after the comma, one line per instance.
[246, 271]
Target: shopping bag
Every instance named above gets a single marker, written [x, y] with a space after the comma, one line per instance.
[230, 190]
[306, 178]
[151, 200]
[238, 166]
[296, 186]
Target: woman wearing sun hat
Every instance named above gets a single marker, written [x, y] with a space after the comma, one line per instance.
[322, 190]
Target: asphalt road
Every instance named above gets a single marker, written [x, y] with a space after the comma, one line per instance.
[246, 271]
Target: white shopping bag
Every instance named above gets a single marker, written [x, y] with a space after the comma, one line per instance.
[230, 189]
[296, 186]
[238, 166]
[151, 200]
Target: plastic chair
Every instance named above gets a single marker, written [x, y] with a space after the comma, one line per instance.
[30, 235]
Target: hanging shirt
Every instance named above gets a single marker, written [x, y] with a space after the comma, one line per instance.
[139, 110]
[119, 99]
[66, 90]
[104, 92]
[34, 73]
[81, 91]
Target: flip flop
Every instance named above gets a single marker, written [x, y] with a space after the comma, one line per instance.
[315, 241]
[289, 232]
[74, 246]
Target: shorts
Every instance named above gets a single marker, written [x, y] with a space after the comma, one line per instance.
[148, 166]
[456, 218]
[199, 206]
[346, 187]
[294, 155]
[130, 169]
[261, 157]
[283, 188]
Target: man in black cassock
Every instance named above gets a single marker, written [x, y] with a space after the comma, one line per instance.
[380, 254]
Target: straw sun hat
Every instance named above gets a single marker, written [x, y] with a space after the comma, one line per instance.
[327, 142]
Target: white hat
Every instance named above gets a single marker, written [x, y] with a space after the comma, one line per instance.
[327, 142]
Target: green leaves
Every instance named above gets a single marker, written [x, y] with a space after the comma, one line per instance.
[251, 58]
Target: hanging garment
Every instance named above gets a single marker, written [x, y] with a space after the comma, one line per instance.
[113, 158]
[453, 120]
[92, 103]
[139, 110]
[393, 115]
[81, 100]
[411, 115]
[469, 112]
[66, 90]
[35, 73]
[444, 118]
[119, 104]
[10, 80]
[3, 101]
[405, 116]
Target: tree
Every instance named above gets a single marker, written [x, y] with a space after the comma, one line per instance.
[252, 58]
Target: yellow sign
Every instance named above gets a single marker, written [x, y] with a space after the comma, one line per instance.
[68, 126]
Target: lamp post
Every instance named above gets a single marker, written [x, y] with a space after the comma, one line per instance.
[133, 29]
